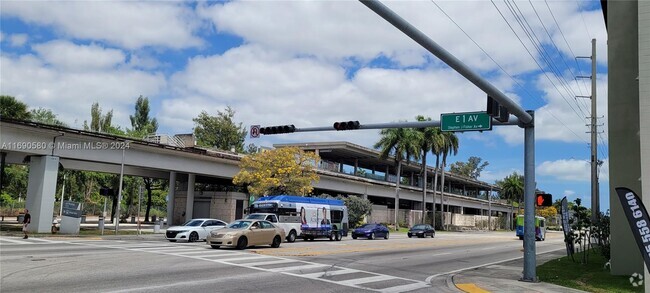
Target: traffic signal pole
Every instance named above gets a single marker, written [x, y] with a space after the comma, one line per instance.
[525, 118]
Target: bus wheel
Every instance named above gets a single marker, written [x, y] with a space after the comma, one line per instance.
[292, 236]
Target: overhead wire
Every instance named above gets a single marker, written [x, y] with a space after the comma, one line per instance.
[501, 67]
[559, 53]
[520, 22]
[575, 59]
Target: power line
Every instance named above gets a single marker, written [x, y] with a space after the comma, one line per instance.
[557, 49]
[534, 44]
[567, 44]
[500, 67]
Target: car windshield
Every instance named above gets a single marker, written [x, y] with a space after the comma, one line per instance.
[419, 227]
[239, 225]
[367, 226]
[256, 217]
[193, 223]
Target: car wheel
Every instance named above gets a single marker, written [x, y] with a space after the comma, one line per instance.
[354, 236]
[372, 236]
[292, 236]
[338, 236]
[193, 237]
[242, 243]
[409, 235]
[386, 235]
[433, 234]
[521, 237]
[172, 240]
[276, 242]
[215, 246]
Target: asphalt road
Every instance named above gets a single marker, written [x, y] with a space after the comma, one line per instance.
[155, 265]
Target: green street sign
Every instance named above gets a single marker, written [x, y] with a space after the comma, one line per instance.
[470, 121]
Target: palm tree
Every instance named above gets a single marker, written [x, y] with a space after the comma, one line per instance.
[429, 141]
[449, 147]
[437, 150]
[512, 188]
[403, 144]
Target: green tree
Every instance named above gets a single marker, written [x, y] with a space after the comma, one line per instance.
[102, 122]
[279, 171]
[251, 148]
[219, 131]
[142, 125]
[472, 168]
[403, 144]
[358, 208]
[512, 188]
[449, 147]
[12, 108]
[45, 116]
[429, 139]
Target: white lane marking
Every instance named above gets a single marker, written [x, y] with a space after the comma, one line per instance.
[358, 281]
[428, 280]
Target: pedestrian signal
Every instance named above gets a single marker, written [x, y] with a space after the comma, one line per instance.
[543, 200]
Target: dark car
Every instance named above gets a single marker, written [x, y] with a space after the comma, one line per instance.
[421, 231]
[371, 231]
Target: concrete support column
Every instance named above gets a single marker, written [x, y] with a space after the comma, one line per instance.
[189, 204]
[386, 174]
[356, 166]
[41, 188]
[171, 198]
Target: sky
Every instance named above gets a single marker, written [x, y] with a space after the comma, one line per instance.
[311, 63]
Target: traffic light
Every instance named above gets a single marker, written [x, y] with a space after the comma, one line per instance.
[543, 200]
[347, 125]
[278, 129]
[494, 109]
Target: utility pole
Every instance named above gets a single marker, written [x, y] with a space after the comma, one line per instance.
[595, 200]
[593, 123]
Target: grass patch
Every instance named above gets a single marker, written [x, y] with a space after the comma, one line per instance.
[591, 277]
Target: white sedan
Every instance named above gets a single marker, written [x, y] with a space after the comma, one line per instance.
[194, 230]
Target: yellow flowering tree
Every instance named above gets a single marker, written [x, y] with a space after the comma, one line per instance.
[547, 212]
[279, 171]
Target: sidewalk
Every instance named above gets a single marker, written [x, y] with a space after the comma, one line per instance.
[504, 277]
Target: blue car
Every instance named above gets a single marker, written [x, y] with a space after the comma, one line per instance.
[371, 231]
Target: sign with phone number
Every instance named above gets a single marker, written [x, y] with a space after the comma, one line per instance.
[637, 217]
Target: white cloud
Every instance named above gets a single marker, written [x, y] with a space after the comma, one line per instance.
[2, 36]
[267, 87]
[66, 55]
[127, 24]
[18, 40]
[492, 176]
[565, 170]
[54, 82]
[568, 193]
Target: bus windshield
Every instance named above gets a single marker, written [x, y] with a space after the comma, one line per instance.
[255, 217]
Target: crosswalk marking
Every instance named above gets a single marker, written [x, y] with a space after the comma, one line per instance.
[293, 267]
[273, 262]
[364, 280]
[331, 273]
[405, 288]
[297, 268]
